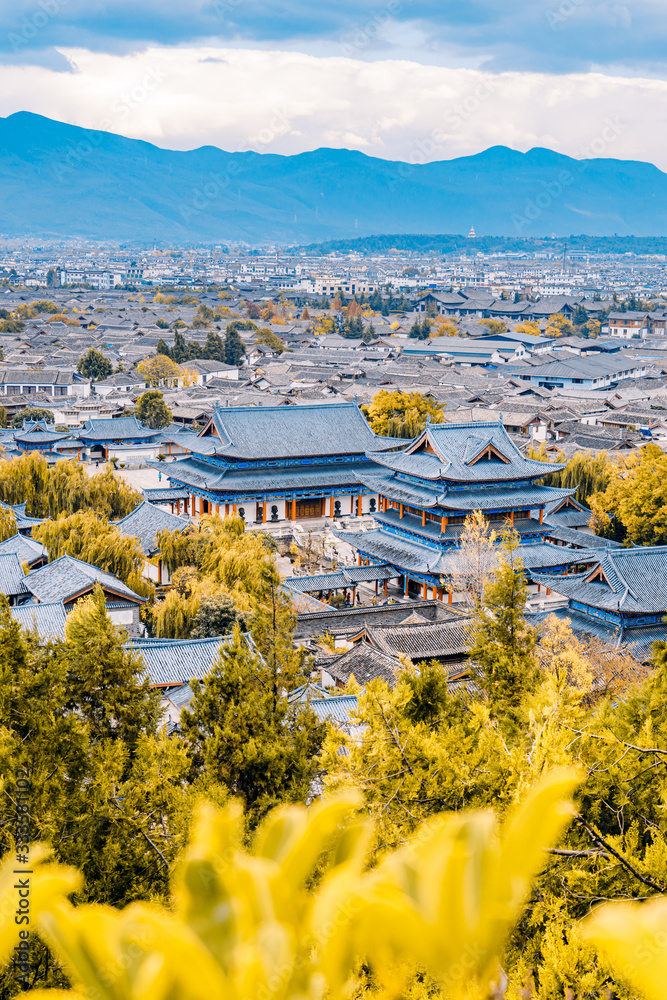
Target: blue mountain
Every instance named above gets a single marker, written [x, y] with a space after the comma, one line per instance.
[58, 180]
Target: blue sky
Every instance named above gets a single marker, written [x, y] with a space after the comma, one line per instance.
[409, 79]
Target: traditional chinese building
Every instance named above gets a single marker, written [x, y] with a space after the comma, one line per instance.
[275, 463]
[427, 490]
[622, 599]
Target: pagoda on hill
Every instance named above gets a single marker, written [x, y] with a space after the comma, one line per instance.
[427, 490]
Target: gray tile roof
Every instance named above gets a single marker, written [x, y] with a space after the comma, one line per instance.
[12, 577]
[120, 429]
[66, 577]
[48, 619]
[366, 662]
[293, 431]
[454, 449]
[346, 577]
[336, 709]
[145, 521]
[636, 581]
[27, 549]
[200, 474]
[351, 620]
[440, 640]
[175, 661]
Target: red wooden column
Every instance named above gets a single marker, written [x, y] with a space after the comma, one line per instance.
[450, 596]
[423, 518]
[358, 560]
[331, 507]
[264, 512]
[294, 508]
[400, 511]
[359, 506]
[405, 587]
[541, 515]
[385, 588]
[424, 591]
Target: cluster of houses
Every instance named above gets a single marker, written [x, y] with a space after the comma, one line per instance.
[283, 440]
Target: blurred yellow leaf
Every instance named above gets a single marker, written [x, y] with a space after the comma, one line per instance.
[633, 938]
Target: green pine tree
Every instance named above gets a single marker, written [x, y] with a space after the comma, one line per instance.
[108, 686]
[234, 347]
[246, 734]
[503, 644]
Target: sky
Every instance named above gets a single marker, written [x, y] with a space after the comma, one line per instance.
[414, 80]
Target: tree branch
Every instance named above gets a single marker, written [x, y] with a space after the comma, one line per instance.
[646, 879]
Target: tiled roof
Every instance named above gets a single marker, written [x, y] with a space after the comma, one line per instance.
[27, 549]
[366, 662]
[637, 641]
[48, 619]
[389, 486]
[345, 577]
[23, 520]
[416, 557]
[351, 620]
[145, 521]
[421, 642]
[175, 661]
[498, 499]
[454, 449]
[292, 431]
[198, 473]
[65, 577]
[12, 578]
[336, 709]
[166, 494]
[636, 581]
[115, 430]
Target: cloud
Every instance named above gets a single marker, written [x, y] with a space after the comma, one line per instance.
[559, 36]
[286, 102]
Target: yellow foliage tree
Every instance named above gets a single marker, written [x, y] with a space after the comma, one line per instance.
[160, 370]
[401, 414]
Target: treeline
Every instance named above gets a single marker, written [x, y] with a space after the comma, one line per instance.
[65, 487]
[230, 350]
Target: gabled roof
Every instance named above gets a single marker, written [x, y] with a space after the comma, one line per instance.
[26, 549]
[66, 578]
[457, 452]
[176, 661]
[626, 580]
[366, 663]
[146, 520]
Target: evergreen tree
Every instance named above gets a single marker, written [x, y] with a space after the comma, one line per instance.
[503, 644]
[162, 348]
[179, 351]
[242, 728]
[33, 413]
[107, 683]
[152, 410]
[214, 349]
[94, 365]
[234, 347]
[217, 616]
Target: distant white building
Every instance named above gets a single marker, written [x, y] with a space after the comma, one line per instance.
[96, 279]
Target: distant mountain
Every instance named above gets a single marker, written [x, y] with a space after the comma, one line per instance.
[58, 180]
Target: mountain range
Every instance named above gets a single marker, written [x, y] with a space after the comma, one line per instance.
[59, 180]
